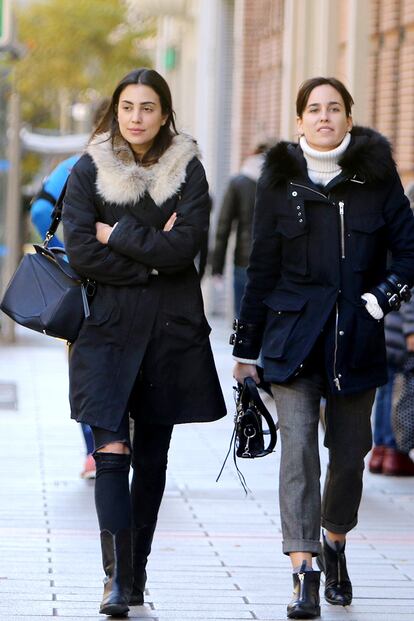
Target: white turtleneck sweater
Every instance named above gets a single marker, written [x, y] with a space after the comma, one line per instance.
[323, 165]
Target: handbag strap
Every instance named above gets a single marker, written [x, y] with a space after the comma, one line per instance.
[56, 216]
[247, 393]
[250, 393]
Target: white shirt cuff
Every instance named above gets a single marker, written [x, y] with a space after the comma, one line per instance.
[244, 360]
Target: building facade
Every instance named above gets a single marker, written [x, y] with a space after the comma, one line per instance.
[235, 67]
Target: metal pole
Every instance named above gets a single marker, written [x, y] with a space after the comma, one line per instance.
[13, 206]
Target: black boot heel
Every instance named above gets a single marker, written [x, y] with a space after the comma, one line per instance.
[117, 564]
[142, 541]
[305, 601]
[138, 587]
[338, 586]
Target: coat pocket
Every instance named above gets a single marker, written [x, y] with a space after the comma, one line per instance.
[102, 307]
[185, 328]
[99, 315]
[294, 239]
[284, 311]
[367, 239]
[368, 341]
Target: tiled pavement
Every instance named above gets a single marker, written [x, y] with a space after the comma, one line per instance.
[216, 554]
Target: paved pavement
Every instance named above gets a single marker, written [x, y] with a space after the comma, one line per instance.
[217, 554]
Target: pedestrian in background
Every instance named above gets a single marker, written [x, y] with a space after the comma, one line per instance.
[237, 210]
[386, 457]
[135, 215]
[41, 213]
[327, 211]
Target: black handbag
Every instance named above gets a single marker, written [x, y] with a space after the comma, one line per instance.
[249, 432]
[45, 294]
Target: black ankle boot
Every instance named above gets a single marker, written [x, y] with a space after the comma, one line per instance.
[141, 548]
[117, 564]
[338, 587]
[305, 602]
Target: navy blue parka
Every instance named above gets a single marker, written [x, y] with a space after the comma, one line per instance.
[315, 251]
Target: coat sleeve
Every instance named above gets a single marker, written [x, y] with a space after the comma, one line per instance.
[262, 275]
[169, 251]
[400, 222]
[228, 213]
[86, 254]
[399, 219]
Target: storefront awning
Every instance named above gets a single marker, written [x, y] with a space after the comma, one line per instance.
[53, 145]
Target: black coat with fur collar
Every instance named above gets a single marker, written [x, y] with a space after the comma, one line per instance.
[316, 250]
[146, 345]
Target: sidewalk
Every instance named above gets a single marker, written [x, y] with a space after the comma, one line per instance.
[217, 554]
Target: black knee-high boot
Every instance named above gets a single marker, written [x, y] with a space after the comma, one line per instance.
[113, 506]
[150, 456]
[141, 547]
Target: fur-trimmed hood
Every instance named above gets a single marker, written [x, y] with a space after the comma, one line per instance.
[368, 159]
[121, 180]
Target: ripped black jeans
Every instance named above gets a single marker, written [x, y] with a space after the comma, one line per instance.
[117, 505]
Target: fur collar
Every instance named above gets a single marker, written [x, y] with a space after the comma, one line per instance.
[368, 158]
[121, 180]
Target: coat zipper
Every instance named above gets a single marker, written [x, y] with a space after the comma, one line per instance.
[336, 377]
[341, 218]
[341, 206]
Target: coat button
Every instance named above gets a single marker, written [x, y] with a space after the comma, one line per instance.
[279, 312]
[297, 206]
[294, 193]
[341, 332]
[300, 220]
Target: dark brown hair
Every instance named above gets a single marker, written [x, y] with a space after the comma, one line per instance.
[307, 87]
[109, 121]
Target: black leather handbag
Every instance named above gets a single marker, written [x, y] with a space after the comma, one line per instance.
[45, 294]
[249, 432]
[253, 423]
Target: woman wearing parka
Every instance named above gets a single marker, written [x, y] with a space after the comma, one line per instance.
[136, 212]
[327, 211]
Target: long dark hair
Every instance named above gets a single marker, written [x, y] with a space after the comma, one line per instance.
[307, 87]
[109, 121]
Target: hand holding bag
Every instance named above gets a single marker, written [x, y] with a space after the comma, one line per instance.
[249, 433]
[45, 294]
[248, 438]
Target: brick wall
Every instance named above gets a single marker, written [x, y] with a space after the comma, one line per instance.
[260, 98]
[390, 65]
[391, 86]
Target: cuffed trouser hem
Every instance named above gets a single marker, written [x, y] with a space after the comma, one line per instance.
[340, 529]
[301, 545]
